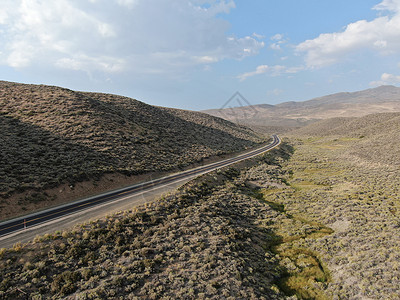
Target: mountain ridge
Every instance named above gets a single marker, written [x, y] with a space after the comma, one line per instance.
[296, 114]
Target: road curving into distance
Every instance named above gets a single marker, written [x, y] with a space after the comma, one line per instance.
[29, 222]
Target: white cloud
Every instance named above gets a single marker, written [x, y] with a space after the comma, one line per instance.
[258, 36]
[275, 46]
[276, 70]
[259, 70]
[293, 70]
[380, 44]
[381, 35]
[83, 62]
[214, 7]
[206, 59]
[45, 31]
[3, 17]
[277, 37]
[128, 3]
[136, 36]
[386, 79]
[278, 41]
[390, 5]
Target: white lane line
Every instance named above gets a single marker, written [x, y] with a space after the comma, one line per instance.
[138, 193]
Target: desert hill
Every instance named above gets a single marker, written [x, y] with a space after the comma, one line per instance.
[294, 114]
[312, 221]
[377, 137]
[316, 218]
[51, 136]
[207, 240]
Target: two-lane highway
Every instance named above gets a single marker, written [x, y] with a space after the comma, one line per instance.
[21, 224]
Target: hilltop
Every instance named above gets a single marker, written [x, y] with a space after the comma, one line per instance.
[54, 137]
[296, 114]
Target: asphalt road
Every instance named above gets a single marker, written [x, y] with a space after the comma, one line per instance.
[25, 228]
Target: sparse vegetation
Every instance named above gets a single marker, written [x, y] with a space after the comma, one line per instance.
[52, 136]
[316, 223]
[210, 239]
[317, 218]
[353, 188]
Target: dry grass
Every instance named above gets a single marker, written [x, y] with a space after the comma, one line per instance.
[210, 239]
[249, 231]
[53, 136]
[359, 198]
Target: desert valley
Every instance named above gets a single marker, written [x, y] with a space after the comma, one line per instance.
[316, 217]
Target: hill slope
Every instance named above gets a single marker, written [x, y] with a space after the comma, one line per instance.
[207, 240]
[52, 135]
[377, 134]
[377, 100]
[346, 175]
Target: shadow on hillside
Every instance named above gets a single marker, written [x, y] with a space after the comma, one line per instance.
[176, 134]
[33, 158]
[127, 137]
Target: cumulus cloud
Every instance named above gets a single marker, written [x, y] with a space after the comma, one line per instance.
[386, 79]
[278, 41]
[381, 35]
[45, 31]
[259, 70]
[390, 5]
[277, 37]
[275, 46]
[276, 70]
[152, 36]
[258, 36]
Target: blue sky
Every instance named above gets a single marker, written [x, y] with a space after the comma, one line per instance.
[195, 54]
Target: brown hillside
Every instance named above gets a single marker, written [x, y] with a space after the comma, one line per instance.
[210, 239]
[51, 135]
[384, 99]
[378, 135]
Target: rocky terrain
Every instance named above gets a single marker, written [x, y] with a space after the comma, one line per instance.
[52, 137]
[296, 114]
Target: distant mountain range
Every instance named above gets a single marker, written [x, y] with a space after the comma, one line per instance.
[377, 100]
